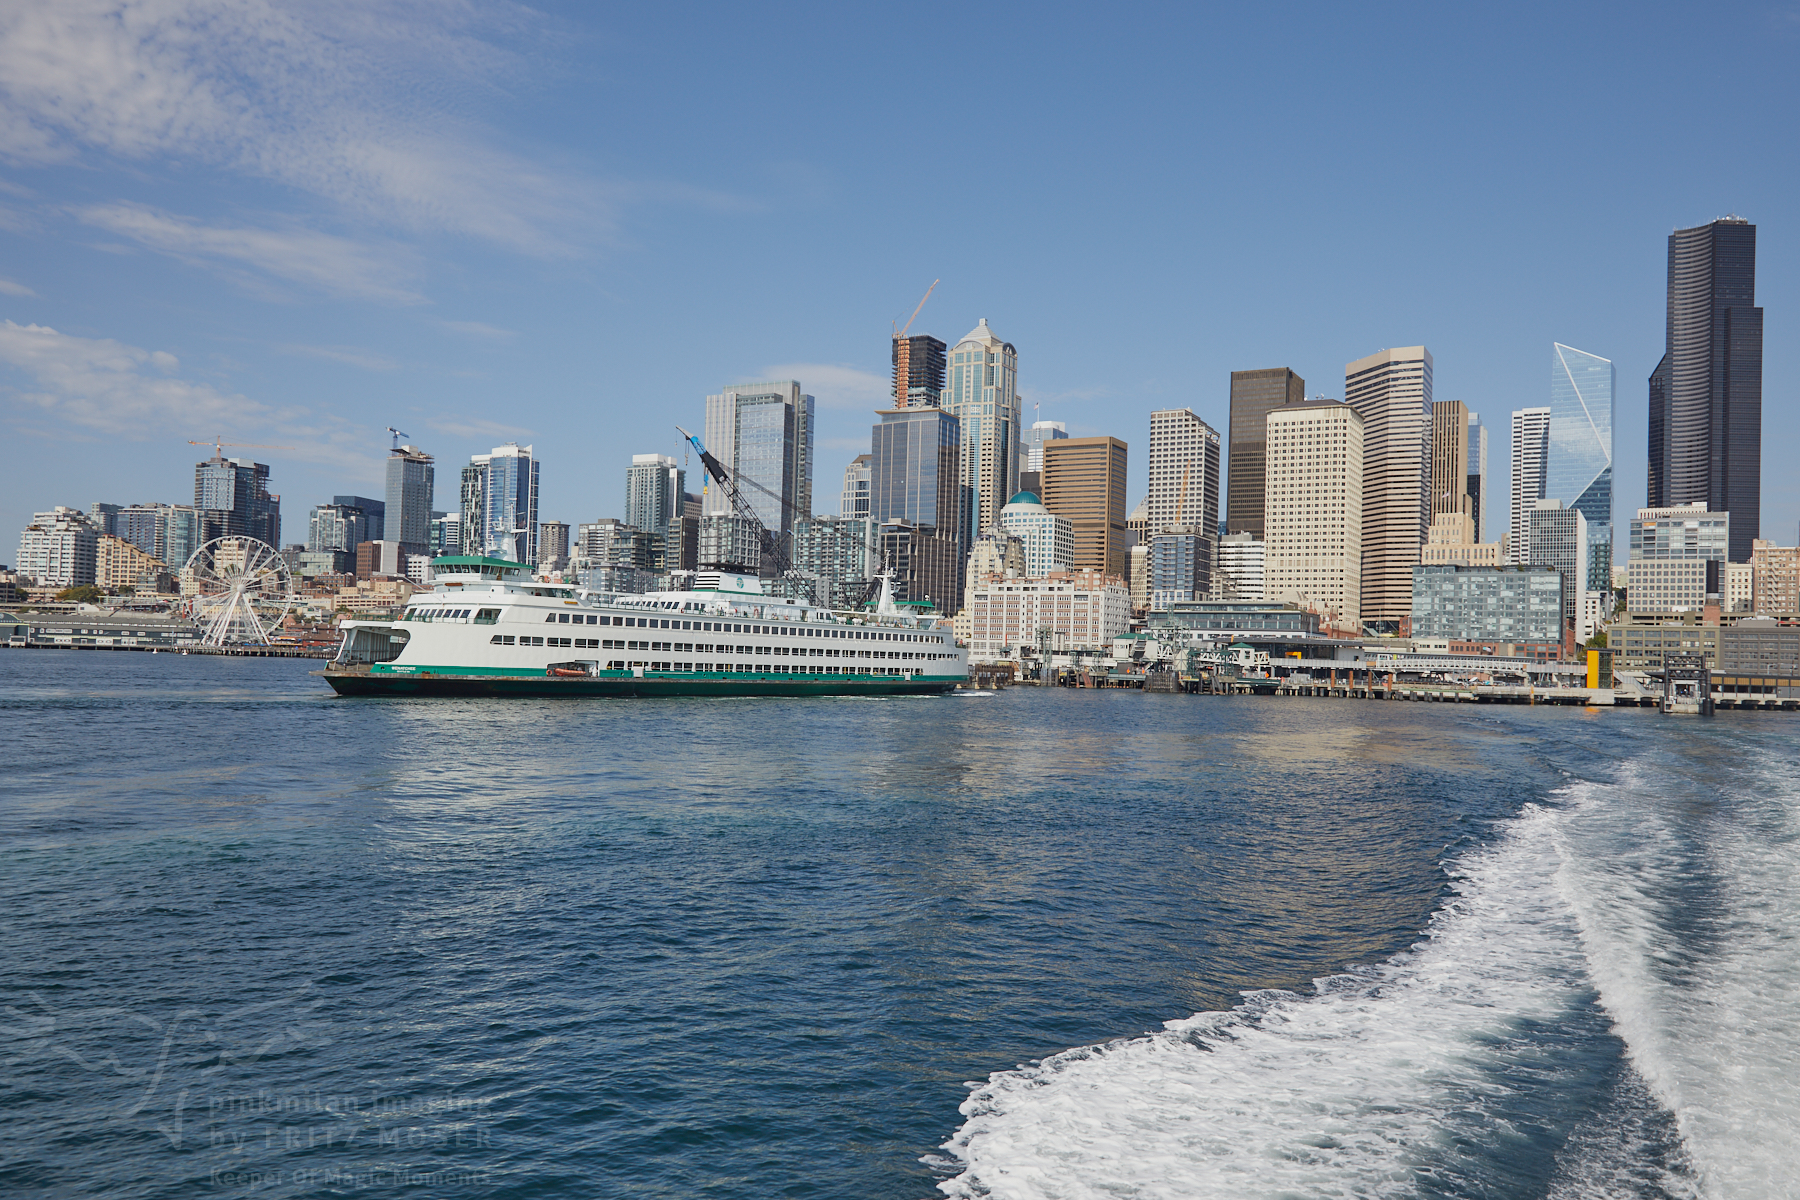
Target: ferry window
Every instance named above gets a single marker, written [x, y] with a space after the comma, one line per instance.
[592, 619]
[549, 618]
[563, 617]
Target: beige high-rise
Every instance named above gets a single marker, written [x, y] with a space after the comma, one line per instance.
[1084, 480]
[1313, 508]
[1450, 458]
[1391, 390]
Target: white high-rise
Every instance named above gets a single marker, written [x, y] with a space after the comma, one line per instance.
[983, 394]
[1035, 437]
[1313, 509]
[1530, 454]
[855, 499]
[654, 490]
[1184, 474]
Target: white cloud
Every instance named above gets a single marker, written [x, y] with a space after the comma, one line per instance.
[353, 102]
[331, 264]
[492, 333]
[125, 391]
[9, 288]
[477, 429]
[348, 355]
[836, 386]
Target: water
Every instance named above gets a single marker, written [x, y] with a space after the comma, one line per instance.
[260, 941]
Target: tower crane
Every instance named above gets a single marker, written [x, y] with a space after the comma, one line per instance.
[772, 549]
[219, 446]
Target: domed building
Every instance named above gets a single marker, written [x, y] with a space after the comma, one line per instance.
[1049, 539]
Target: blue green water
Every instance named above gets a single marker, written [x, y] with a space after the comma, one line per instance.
[262, 941]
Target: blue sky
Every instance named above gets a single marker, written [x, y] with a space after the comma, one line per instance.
[296, 225]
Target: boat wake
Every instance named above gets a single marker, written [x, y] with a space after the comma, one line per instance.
[1570, 1025]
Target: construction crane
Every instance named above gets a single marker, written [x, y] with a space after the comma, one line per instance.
[917, 311]
[772, 549]
[219, 446]
[397, 436]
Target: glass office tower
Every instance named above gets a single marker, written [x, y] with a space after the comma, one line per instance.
[1578, 468]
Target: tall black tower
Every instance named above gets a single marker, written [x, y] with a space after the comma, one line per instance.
[1706, 393]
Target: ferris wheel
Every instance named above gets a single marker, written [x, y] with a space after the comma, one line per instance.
[244, 590]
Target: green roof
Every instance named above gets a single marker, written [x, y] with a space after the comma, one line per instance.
[468, 560]
[1024, 498]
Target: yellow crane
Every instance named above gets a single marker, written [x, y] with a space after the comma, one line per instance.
[219, 446]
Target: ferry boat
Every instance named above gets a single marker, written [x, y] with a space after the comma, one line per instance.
[488, 628]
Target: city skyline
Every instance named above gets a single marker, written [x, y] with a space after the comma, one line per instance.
[162, 288]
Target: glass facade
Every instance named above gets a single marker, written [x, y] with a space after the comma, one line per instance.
[238, 492]
[914, 472]
[1578, 467]
[1559, 538]
[508, 495]
[1488, 604]
[1180, 569]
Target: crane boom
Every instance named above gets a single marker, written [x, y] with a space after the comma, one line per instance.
[772, 549]
[918, 310]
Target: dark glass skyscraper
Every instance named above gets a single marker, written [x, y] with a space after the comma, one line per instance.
[1253, 394]
[1706, 393]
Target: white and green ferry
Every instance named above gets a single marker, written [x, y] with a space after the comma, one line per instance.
[488, 628]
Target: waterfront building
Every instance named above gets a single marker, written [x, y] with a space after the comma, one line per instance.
[1775, 575]
[1180, 567]
[1669, 551]
[1451, 539]
[1084, 480]
[120, 564]
[1242, 616]
[983, 394]
[236, 493]
[1184, 476]
[915, 481]
[552, 546]
[1035, 437]
[918, 371]
[1253, 395]
[925, 563]
[1315, 486]
[654, 488]
[1391, 390]
[1705, 435]
[1049, 539]
[375, 511]
[411, 495]
[839, 553]
[855, 499]
[500, 504]
[1065, 610]
[1238, 575]
[763, 432]
[1505, 605]
[340, 527]
[1478, 473]
[1578, 465]
[1559, 538]
[1530, 450]
[1740, 586]
[58, 548]
[1668, 585]
[1639, 640]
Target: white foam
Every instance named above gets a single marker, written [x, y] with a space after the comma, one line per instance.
[1337, 1094]
[1705, 995]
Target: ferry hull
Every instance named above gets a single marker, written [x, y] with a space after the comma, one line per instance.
[622, 686]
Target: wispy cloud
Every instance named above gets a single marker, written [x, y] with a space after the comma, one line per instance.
[323, 261]
[363, 104]
[478, 429]
[10, 288]
[125, 391]
[833, 385]
[492, 333]
[348, 355]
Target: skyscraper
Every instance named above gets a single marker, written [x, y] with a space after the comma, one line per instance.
[1530, 450]
[1391, 390]
[1035, 437]
[237, 493]
[1478, 473]
[1578, 468]
[1084, 480]
[763, 432]
[654, 487]
[1450, 458]
[918, 370]
[374, 510]
[983, 395]
[855, 499]
[1184, 474]
[411, 491]
[1314, 547]
[500, 504]
[1253, 394]
[1706, 393]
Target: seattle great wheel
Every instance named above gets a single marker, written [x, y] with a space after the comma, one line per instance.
[243, 591]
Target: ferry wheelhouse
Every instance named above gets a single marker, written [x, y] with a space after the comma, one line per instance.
[488, 628]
